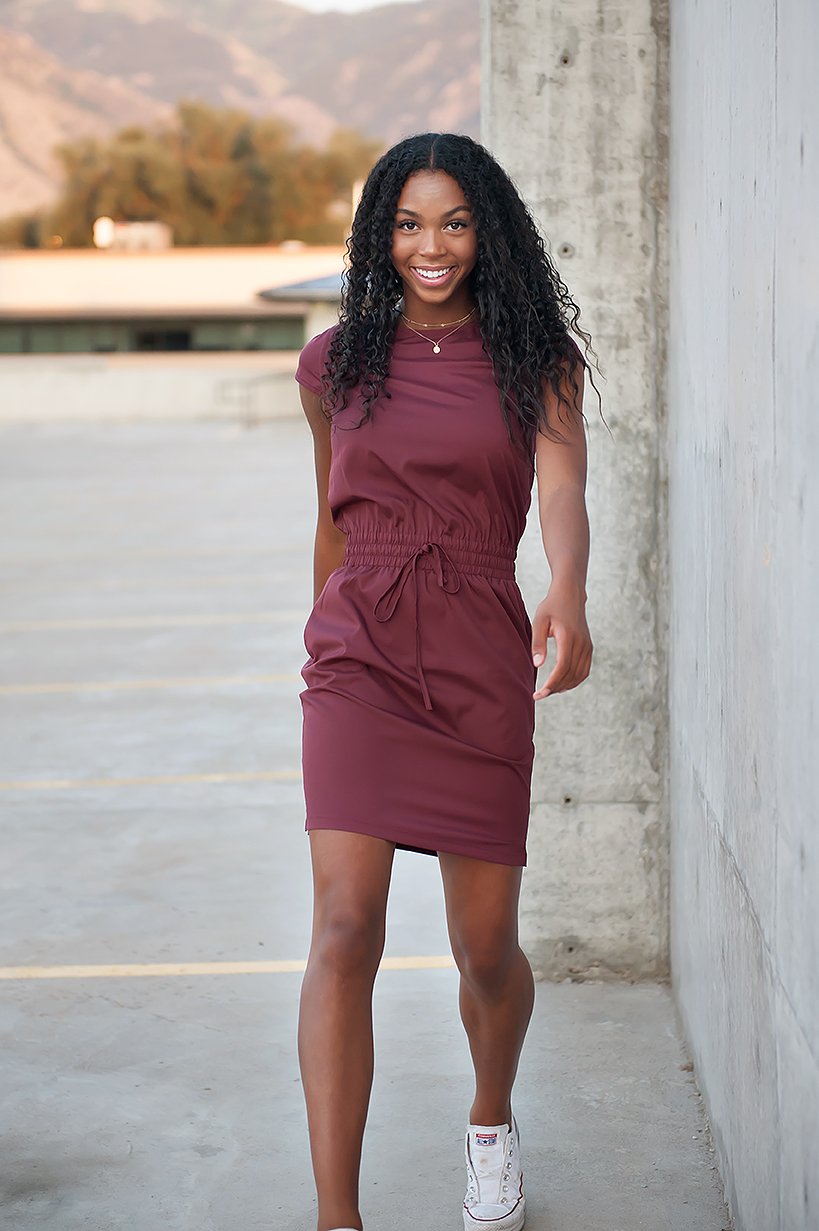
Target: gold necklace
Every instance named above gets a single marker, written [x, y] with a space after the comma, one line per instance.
[436, 348]
[443, 324]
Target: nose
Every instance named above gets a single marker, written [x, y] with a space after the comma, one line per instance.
[431, 243]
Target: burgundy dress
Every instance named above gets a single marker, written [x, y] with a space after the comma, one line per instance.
[418, 714]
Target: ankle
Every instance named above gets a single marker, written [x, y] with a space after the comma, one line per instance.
[349, 1222]
[477, 1114]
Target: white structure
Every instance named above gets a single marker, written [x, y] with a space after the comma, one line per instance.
[86, 283]
[132, 236]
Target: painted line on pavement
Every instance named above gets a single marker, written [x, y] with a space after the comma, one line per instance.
[81, 784]
[177, 969]
[169, 621]
[181, 681]
[157, 553]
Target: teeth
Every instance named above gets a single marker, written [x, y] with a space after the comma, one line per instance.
[432, 275]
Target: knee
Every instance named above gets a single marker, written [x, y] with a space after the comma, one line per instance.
[486, 963]
[349, 943]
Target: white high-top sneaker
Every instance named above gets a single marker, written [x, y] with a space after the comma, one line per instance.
[494, 1197]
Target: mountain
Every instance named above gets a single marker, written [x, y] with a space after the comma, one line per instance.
[89, 66]
[43, 104]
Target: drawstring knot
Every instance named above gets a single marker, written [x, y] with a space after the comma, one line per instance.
[387, 601]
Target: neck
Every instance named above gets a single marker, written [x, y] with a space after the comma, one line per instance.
[426, 315]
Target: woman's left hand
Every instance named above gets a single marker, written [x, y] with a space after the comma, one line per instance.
[562, 615]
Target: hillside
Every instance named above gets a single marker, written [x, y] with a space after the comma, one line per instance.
[43, 104]
[88, 66]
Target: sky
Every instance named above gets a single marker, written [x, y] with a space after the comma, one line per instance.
[345, 6]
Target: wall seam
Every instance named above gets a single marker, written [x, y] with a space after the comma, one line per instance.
[778, 986]
[658, 312]
[776, 983]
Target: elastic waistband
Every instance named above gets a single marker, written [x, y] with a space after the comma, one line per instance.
[386, 551]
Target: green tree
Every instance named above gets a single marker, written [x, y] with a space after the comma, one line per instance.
[216, 177]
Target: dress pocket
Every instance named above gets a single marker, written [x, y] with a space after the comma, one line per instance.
[307, 636]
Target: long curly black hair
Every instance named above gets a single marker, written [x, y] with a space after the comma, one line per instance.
[524, 308]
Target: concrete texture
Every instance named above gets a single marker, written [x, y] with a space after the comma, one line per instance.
[156, 581]
[574, 101]
[243, 385]
[744, 511]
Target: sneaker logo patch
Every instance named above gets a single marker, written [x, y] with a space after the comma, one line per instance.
[486, 1139]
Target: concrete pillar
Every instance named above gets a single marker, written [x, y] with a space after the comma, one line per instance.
[574, 107]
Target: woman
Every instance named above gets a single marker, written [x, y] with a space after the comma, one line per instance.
[448, 383]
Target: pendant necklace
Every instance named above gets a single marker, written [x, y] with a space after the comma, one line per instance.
[436, 345]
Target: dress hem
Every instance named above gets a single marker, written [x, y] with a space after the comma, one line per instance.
[407, 844]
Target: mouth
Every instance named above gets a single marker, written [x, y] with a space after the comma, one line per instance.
[432, 275]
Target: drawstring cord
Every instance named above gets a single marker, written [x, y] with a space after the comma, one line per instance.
[387, 601]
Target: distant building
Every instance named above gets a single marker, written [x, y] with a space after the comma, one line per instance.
[91, 301]
[321, 294]
[132, 236]
[179, 333]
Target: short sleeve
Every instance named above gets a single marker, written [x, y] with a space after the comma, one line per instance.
[313, 360]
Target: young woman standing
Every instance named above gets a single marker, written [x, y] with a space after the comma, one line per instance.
[449, 383]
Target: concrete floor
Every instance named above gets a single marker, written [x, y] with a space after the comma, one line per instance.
[156, 579]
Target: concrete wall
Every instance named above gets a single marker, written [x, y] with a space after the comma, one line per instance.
[243, 385]
[744, 523]
[574, 107]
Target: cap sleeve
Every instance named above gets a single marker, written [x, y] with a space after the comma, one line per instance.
[313, 360]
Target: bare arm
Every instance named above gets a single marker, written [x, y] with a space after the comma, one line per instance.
[328, 550]
[561, 469]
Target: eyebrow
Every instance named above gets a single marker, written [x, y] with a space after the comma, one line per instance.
[402, 210]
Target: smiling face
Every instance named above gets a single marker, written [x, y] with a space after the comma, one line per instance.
[434, 248]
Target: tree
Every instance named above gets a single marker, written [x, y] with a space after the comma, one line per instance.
[216, 177]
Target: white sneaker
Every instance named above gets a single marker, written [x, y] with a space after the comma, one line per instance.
[494, 1193]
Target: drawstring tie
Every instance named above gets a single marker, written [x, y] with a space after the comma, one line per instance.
[387, 602]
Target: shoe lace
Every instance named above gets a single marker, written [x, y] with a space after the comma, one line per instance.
[503, 1194]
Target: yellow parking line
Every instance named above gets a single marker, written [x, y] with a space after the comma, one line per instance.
[178, 553]
[176, 969]
[181, 681]
[117, 585]
[168, 621]
[81, 784]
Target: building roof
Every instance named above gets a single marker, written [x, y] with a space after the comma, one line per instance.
[89, 283]
[316, 290]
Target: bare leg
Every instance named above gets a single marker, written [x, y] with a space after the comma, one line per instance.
[351, 878]
[497, 988]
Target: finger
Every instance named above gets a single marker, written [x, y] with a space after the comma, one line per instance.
[578, 672]
[541, 631]
[567, 681]
[580, 666]
[586, 665]
[541, 692]
[564, 646]
[547, 688]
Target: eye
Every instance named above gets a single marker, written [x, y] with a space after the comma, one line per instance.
[459, 223]
[404, 223]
